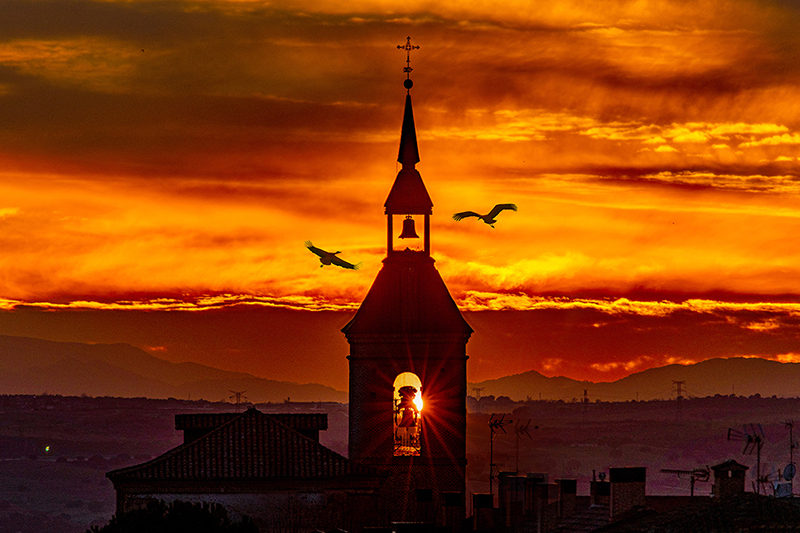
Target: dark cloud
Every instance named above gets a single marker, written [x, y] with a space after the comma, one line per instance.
[128, 133]
[54, 19]
[236, 81]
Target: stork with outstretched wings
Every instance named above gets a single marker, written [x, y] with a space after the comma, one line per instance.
[489, 218]
[329, 258]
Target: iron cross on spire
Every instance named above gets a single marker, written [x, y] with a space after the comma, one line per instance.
[407, 47]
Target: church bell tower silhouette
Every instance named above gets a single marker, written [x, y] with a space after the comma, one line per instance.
[408, 363]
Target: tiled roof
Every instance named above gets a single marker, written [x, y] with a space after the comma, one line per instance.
[296, 421]
[250, 446]
[203, 420]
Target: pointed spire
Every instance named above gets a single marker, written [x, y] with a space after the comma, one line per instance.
[409, 153]
[408, 195]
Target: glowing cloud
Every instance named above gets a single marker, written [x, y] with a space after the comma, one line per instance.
[651, 147]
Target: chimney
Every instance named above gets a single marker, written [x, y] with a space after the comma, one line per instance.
[482, 511]
[567, 497]
[531, 480]
[544, 495]
[505, 486]
[513, 498]
[453, 503]
[627, 489]
[729, 479]
[599, 491]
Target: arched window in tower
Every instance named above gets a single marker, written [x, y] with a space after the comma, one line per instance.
[407, 414]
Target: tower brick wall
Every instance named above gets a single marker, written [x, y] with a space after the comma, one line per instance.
[441, 367]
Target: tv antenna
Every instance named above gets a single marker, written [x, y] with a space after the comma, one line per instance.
[698, 474]
[753, 437]
[495, 425]
[522, 429]
[791, 468]
[792, 443]
[237, 397]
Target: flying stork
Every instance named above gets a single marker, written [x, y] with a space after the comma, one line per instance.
[329, 258]
[488, 218]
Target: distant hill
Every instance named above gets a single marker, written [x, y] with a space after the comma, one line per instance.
[738, 375]
[35, 366]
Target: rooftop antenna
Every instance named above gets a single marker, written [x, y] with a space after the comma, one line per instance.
[698, 474]
[791, 468]
[753, 437]
[522, 429]
[237, 398]
[495, 425]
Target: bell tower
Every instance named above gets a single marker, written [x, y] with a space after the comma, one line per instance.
[408, 363]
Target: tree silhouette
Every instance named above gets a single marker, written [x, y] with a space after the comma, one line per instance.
[176, 517]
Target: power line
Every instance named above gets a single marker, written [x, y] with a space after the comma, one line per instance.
[678, 397]
[237, 396]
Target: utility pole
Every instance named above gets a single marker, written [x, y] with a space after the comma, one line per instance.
[585, 401]
[478, 391]
[237, 398]
[678, 397]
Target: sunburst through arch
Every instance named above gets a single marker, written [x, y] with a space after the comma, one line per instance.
[407, 414]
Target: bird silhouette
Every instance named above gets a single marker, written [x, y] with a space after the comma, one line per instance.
[488, 218]
[329, 258]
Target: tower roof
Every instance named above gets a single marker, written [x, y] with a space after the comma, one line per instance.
[408, 297]
[409, 151]
[408, 194]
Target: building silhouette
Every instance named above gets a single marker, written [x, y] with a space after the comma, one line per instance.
[408, 364]
[531, 503]
[271, 468]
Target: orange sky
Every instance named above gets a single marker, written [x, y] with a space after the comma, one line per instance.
[175, 156]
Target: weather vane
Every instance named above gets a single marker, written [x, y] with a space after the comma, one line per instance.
[407, 69]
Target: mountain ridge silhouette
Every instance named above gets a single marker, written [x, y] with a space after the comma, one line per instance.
[37, 366]
[742, 376]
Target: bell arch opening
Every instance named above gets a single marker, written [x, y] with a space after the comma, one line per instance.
[407, 414]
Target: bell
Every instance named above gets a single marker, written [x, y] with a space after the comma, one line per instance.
[408, 229]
